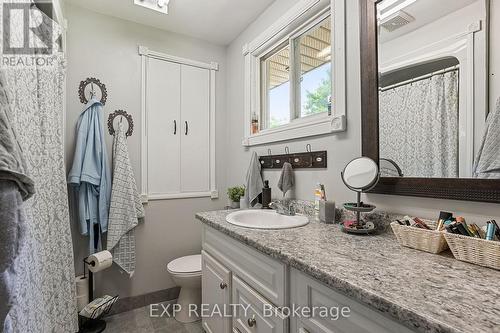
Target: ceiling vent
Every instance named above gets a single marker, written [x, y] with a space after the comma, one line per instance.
[156, 5]
[396, 21]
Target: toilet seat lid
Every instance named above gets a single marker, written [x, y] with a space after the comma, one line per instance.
[187, 264]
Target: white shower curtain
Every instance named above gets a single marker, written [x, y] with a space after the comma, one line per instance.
[419, 126]
[45, 286]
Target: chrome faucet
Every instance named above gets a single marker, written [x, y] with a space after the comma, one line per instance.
[282, 208]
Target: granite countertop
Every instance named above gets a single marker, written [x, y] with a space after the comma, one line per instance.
[426, 292]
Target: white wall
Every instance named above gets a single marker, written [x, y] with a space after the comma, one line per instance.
[106, 48]
[441, 29]
[341, 147]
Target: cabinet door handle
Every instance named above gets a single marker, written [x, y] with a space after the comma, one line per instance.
[223, 285]
[187, 128]
[252, 321]
[175, 127]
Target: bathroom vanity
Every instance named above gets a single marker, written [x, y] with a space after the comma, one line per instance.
[386, 288]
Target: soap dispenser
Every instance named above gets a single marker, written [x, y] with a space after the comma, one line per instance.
[266, 195]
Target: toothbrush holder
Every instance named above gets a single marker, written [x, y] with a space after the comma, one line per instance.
[327, 211]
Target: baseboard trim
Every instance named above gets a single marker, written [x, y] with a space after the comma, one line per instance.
[134, 302]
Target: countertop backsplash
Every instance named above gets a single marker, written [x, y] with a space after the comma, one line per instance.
[381, 219]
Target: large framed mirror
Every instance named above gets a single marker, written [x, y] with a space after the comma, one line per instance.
[428, 117]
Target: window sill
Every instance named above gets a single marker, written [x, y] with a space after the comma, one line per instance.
[298, 129]
[183, 195]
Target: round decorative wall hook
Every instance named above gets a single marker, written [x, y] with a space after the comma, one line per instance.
[117, 113]
[92, 81]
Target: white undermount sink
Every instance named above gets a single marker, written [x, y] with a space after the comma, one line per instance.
[265, 219]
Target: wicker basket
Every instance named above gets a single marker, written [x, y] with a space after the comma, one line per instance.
[421, 239]
[475, 250]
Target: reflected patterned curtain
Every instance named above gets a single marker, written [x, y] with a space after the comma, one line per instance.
[419, 126]
[45, 281]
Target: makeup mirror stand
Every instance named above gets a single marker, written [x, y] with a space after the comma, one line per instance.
[354, 178]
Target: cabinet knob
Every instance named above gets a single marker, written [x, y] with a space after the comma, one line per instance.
[223, 285]
[252, 321]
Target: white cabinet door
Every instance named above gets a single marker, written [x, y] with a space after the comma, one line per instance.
[163, 103]
[216, 292]
[267, 276]
[195, 124]
[253, 313]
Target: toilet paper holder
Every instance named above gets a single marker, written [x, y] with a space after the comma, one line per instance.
[87, 263]
[94, 323]
[90, 278]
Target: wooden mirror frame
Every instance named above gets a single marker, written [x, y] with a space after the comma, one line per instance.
[470, 189]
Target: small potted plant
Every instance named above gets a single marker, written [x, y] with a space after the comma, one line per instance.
[235, 194]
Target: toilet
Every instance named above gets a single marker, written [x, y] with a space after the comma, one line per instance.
[186, 273]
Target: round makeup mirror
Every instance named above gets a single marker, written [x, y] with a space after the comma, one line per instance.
[361, 174]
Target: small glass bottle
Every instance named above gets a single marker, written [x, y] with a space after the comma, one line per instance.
[255, 124]
[317, 198]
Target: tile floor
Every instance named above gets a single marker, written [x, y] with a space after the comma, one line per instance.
[139, 321]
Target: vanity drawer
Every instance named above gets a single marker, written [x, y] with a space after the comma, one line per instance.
[301, 327]
[310, 293]
[265, 275]
[252, 314]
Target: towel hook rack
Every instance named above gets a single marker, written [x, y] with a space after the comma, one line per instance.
[92, 81]
[304, 160]
[122, 113]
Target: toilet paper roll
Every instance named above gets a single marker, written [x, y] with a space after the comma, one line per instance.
[82, 291]
[82, 285]
[99, 261]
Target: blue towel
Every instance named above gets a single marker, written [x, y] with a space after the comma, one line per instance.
[90, 175]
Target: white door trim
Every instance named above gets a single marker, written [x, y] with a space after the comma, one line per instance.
[145, 51]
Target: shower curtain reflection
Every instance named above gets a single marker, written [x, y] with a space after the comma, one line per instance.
[418, 126]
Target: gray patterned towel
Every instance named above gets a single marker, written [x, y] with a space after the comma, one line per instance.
[287, 178]
[253, 182]
[15, 186]
[125, 207]
[12, 161]
[487, 163]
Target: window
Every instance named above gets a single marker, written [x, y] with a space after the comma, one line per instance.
[276, 85]
[310, 64]
[314, 51]
[295, 76]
